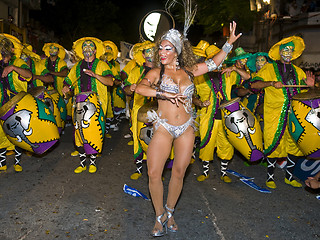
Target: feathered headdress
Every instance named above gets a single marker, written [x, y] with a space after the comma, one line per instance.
[190, 11]
[174, 35]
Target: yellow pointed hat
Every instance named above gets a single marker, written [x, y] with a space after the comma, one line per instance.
[211, 51]
[77, 46]
[114, 48]
[200, 49]
[46, 49]
[16, 43]
[299, 46]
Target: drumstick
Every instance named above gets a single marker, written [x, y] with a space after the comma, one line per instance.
[295, 86]
[65, 95]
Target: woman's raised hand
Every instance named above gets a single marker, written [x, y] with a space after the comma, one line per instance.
[233, 37]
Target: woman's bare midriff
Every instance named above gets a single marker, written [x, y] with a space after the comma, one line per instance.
[176, 115]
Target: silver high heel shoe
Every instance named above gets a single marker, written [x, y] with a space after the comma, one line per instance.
[160, 233]
[172, 227]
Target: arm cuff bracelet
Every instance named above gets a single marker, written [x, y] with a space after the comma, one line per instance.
[227, 47]
[211, 65]
[159, 95]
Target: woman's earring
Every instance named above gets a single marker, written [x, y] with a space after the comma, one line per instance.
[177, 63]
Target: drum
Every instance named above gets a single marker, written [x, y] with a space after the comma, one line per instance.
[142, 113]
[61, 105]
[29, 123]
[304, 122]
[42, 94]
[89, 122]
[145, 133]
[242, 129]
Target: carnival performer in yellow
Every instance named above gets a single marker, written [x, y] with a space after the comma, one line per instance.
[273, 77]
[40, 74]
[251, 99]
[117, 103]
[15, 74]
[229, 77]
[212, 136]
[125, 72]
[144, 55]
[55, 64]
[89, 79]
[58, 69]
[236, 74]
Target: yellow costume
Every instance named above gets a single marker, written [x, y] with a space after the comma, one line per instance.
[11, 85]
[58, 65]
[91, 100]
[212, 136]
[117, 100]
[278, 142]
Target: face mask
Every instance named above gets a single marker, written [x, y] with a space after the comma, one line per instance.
[243, 61]
[24, 57]
[260, 62]
[109, 53]
[53, 51]
[88, 49]
[286, 54]
[149, 53]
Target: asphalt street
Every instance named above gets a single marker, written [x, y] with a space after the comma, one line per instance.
[48, 201]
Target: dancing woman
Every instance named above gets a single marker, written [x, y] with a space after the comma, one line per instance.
[171, 83]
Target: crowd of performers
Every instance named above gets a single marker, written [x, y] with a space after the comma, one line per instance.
[96, 94]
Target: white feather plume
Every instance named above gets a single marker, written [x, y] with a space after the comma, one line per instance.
[190, 10]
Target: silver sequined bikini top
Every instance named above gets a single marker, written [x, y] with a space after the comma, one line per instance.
[168, 85]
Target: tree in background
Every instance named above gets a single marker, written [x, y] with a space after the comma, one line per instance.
[216, 14]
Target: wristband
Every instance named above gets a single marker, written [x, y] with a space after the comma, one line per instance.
[227, 47]
[159, 95]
